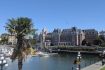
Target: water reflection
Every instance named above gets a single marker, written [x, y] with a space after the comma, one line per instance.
[57, 62]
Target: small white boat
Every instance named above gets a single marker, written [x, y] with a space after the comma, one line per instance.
[53, 53]
[34, 55]
[43, 54]
[39, 53]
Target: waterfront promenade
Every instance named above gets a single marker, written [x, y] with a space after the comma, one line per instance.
[96, 66]
[73, 49]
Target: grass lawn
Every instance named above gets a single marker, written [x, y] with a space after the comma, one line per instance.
[103, 68]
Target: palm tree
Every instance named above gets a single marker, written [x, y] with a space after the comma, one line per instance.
[20, 27]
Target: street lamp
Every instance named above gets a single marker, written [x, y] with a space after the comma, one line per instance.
[78, 61]
[103, 57]
[3, 62]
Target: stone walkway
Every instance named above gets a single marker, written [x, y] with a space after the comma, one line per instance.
[95, 66]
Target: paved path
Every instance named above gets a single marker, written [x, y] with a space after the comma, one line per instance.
[95, 66]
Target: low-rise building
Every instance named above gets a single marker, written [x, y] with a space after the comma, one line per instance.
[12, 39]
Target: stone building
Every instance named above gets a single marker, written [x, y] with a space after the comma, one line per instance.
[55, 40]
[12, 39]
[72, 36]
[90, 35]
[42, 37]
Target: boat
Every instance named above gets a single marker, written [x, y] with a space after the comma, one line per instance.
[39, 53]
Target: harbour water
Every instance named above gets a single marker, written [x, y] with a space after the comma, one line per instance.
[55, 62]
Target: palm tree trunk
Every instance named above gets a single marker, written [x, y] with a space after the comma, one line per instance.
[19, 42]
[20, 59]
[20, 63]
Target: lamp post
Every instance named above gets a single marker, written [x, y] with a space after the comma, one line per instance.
[103, 57]
[78, 61]
[3, 62]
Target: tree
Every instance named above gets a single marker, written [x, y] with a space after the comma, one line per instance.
[84, 42]
[102, 37]
[97, 42]
[20, 27]
[4, 38]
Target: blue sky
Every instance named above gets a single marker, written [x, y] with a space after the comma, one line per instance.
[52, 14]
